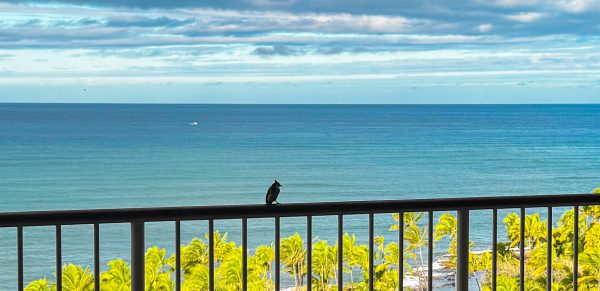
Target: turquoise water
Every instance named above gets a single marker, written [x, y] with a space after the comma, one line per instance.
[59, 156]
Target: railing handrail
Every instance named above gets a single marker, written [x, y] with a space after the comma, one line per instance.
[123, 215]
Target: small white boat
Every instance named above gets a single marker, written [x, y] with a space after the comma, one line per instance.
[193, 123]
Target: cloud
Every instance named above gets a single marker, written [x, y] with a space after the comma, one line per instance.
[29, 23]
[140, 21]
[431, 78]
[363, 23]
[343, 44]
[189, 22]
[332, 50]
[276, 50]
[317, 6]
[525, 16]
[486, 27]
[260, 22]
[77, 23]
[579, 6]
[261, 39]
[448, 10]
[511, 3]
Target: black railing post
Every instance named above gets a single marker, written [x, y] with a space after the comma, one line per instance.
[575, 247]
[177, 255]
[137, 256]
[371, 252]
[340, 253]
[309, 238]
[211, 255]
[58, 258]
[277, 265]
[96, 257]
[549, 252]
[244, 254]
[494, 248]
[430, 251]
[462, 250]
[20, 257]
[401, 250]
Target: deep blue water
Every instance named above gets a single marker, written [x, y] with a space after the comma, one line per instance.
[65, 156]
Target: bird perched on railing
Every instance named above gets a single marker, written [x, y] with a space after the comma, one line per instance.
[272, 193]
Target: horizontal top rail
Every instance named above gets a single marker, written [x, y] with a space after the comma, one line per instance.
[123, 215]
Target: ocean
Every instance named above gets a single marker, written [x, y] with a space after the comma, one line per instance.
[83, 156]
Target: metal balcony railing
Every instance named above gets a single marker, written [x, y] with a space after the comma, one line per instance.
[138, 216]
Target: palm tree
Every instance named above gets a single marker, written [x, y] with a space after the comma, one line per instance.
[335, 264]
[593, 211]
[193, 254]
[535, 230]
[478, 263]
[196, 278]
[417, 240]
[40, 285]
[354, 255]
[75, 278]
[392, 256]
[157, 278]
[590, 265]
[293, 255]
[229, 273]
[591, 238]
[117, 278]
[536, 264]
[409, 218]
[222, 246]
[562, 237]
[324, 258]
[262, 262]
[446, 227]
[257, 278]
[507, 284]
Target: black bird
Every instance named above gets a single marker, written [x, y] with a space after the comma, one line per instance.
[272, 193]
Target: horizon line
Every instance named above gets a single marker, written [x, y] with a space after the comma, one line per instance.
[327, 104]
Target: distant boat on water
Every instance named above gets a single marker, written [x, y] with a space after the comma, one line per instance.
[193, 123]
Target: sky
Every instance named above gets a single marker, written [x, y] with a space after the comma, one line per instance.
[300, 51]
